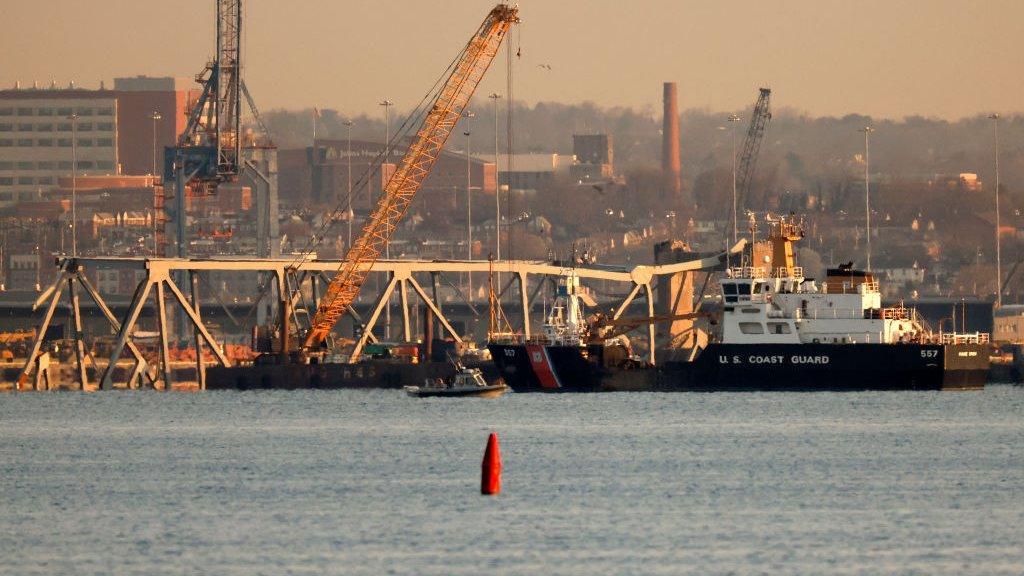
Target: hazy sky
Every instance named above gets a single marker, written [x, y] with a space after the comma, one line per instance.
[891, 58]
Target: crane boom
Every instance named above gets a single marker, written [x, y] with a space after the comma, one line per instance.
[401, 188]
[752, 144]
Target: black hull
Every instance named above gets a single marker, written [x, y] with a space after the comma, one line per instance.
[365, 374]
[750, 367]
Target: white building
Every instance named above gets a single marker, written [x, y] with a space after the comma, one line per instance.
[35, 142]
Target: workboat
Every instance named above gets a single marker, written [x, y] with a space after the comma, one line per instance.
[465, 382]
[779, 331]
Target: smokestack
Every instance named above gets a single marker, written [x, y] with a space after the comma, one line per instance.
[670, 167]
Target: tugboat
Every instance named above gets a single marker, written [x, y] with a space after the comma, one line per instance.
[780, 331]
[465, 382]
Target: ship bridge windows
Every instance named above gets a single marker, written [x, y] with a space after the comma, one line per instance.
[779, 328]
[733, 291]
[729, 291]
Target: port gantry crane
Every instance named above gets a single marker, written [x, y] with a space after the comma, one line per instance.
[752, 143]
[439, 123]
[210, 149]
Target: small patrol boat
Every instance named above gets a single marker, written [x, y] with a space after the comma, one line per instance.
[465, 382]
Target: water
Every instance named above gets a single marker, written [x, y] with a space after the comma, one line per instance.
[373, 482]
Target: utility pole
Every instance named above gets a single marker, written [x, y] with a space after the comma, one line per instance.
[734, 119]
[497, 186]
[999, 253]
[74, 186]
[867, 130]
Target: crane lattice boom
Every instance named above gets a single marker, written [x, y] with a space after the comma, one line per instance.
[752, 144]
[438, 125]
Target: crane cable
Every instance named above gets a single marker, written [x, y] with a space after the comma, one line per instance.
[413, 119]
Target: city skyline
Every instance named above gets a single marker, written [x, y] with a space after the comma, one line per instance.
[943, 58]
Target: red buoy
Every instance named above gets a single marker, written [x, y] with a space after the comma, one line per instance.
[490, 478]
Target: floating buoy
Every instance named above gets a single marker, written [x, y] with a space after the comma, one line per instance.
[490, 477]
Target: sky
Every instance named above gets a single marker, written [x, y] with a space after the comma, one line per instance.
[883, 58]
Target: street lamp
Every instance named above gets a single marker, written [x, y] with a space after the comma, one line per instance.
[3, 285]
[348, 151]
[39, 255]
[154, 116]
[733, 119]
[497, 189]
[387, 104]
[867, 130]
[469, 203]
[999, 255]
[74, 183]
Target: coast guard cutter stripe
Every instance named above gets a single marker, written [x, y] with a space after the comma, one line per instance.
[542, 368]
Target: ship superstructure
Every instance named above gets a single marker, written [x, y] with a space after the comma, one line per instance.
[780, 305]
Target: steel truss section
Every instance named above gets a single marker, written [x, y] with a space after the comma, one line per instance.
[288, 277]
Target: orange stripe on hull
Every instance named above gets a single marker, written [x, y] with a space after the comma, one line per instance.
[542, 366]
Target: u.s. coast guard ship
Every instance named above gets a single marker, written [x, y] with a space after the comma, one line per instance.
[779, 331]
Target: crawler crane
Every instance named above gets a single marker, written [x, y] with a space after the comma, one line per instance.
[438, 125]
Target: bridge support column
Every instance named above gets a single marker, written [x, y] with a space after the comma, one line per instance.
[382, 302]
[54, 293]
[524, 302]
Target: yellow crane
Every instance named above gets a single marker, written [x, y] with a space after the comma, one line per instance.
[465, 76]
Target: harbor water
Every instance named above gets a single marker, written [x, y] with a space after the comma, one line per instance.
[375, 482]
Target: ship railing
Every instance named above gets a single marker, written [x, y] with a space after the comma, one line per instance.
[846, 338]
[831, 314]
[964, 338]
[747, 272]
[895, 313]
[848, 288]
[506, 338]
[788, 272]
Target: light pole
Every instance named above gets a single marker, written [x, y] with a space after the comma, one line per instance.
[387, 104]
[867, 130]
[469, 204]
[39, 285]
[348, 151]
[497, 188]
[74, 183]
[3, 242]
[733, 119]
[154, 116]
[999, 254]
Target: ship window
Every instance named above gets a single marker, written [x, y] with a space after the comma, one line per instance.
[743, 289]
[778, 328]
[758, 287]
[751, 328]
[751, 310]
[729, 288]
